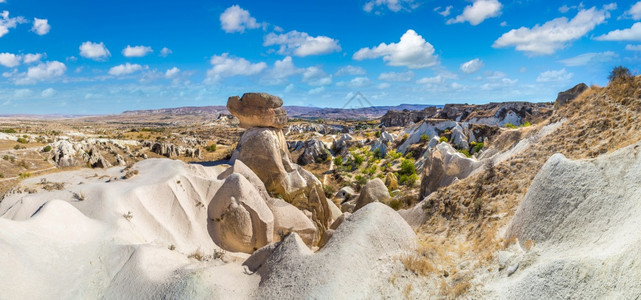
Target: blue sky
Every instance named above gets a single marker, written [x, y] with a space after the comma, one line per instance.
[102, 57]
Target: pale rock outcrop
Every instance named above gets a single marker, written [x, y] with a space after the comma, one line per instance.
[383, 143]
[374, 191]
[241, 220]
[569, 95]
[258, 110]
[344, 142]
[289, 219]
[431, 128]
[95, 159]
[64, 153]
[459, 139]
[315, 151]
[366, 242]
[443, 166]
[345, 193]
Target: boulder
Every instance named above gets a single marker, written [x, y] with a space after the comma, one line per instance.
[443, 166]
[241, 221]
[569, 95]
[264, 151]
[345, 193]
[258, 110]
[374, 191]
[64, 153]
[315, 151]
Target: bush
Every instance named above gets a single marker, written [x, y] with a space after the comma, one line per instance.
[465, 152]
[424, 137]
[22, 140]
[396, 204]
[526, 124]
[329, 191]
[211, 148]
[377, 153]
[16, 147]
[6, 157]
[510, 125]
[394, 155]
[47, 148]
[377, 134]
[619, 73]
[408, 180]
[338, 161]
[1, 175]
[477, 146]
[407, 167]
[358, 159]
[8, 130]
[442, 139]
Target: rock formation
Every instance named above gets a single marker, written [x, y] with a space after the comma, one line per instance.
[406, 117]
[374, 191]
[264, 150]
[443, 166]
[314, 151]
[258, 110]
[569, 95]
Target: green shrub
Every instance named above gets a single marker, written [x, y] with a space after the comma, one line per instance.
[47, 148]
[5, 157]
[477, 146]
[329, 191]
[22, 140]
[408, 180]
[619, 73]
[16, 147]
[442, 139]
[465, 152]
[338, 161]
[526, 124]
[377, 153]
[211, 148]
[407, 167]
[510, 125]
[394, 155]
[1, 175]
[8, 130]
[377, 134]
[424, 137]
[396, 204]
[24, 175]
[358, 159]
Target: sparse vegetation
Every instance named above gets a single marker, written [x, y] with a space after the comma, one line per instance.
[443, 139]
[424, 137]
[510, 125]
[211, 148]
[22, 140]
[620, 73]
[47, 148]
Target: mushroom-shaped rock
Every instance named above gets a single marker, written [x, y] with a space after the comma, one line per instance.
[240, 219]
[258, 110]
[374, 191]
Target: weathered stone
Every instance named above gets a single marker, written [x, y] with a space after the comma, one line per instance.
[258, 110]
[374, 191]
[569, 95]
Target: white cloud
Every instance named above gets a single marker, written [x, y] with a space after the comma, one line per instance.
[496, 80]
[136, 51]
[393, 5]
[383, 85]
[40, 26]
[394, 76]
[590, 59]
[412, 51]
[125, 69]
[355, 83]
[9, 60]
[164, 52]
[48, 92]
[554, 34]
[445, 12]
[171, 73]
[563, 9]
[630, 34]
[635, 11]
[301, 43]
[282, 70]
[315, 76]
[633, 47]
[477, 12]
[503, 24]
[31, 58]
[236, 19]
[431, 80]
[350, 70]
[472, 66]
[290, 87]
[553, 76]
[7, 23]
[43, 71]
[227, 66]
[95, 51]
[22, 93]
[317, 90]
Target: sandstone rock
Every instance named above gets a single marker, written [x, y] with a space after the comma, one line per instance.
[315, 151]
[339, 220]
[348, 206]
[264, 151]
[391, 182]
[459, 139]
[345, 193]
[431, 128]
[258, 110]
[64, 153]
[407, 117]
[443, 166]
[96, 160]
[288, 219]
[240, 168]
[241, 221]
[374, 191]
[344, 142]
[569, 95]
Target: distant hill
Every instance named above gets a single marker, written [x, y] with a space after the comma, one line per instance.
[302, 112]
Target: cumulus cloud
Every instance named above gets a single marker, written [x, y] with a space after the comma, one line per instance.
[125, 69]
[384, 85]
[590, 59]
[350, 70]
[95, 51]
[635, 11]
[431, 80]
[164, 52]
[48, 93]
[43, 71]
[136, 51]
[472, 66]
[228, 66]
[553, 35]
[31, 58]
[393, 5]
[633, 47]
[9, 60]
[554, 76]
[315, 76]
[496, 80]
[7, 23]
[412, 51]
[397, 76]
[171, 73]
[236, 19]
[477, 12]
[317, 90]
[355, 83]
[282, 70]
[630, 34]
[301, 43]
[445, 11]
[40, 26]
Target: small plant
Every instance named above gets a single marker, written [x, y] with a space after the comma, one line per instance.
[1, 175]
[22, 140]
[358, 159]
[619, 73]
[329, 191]
[442, 139]
[526, 124]
[47, 148]
[377, 134]
[510, 125]
[465, 152]
[211, 148]
[424, 137]
[79, 196]
[171, 247]
[396, 204]
[338, 161]
[377, 153]
[5, 157]
[16, 147]
[128, 216]
[8, 130]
